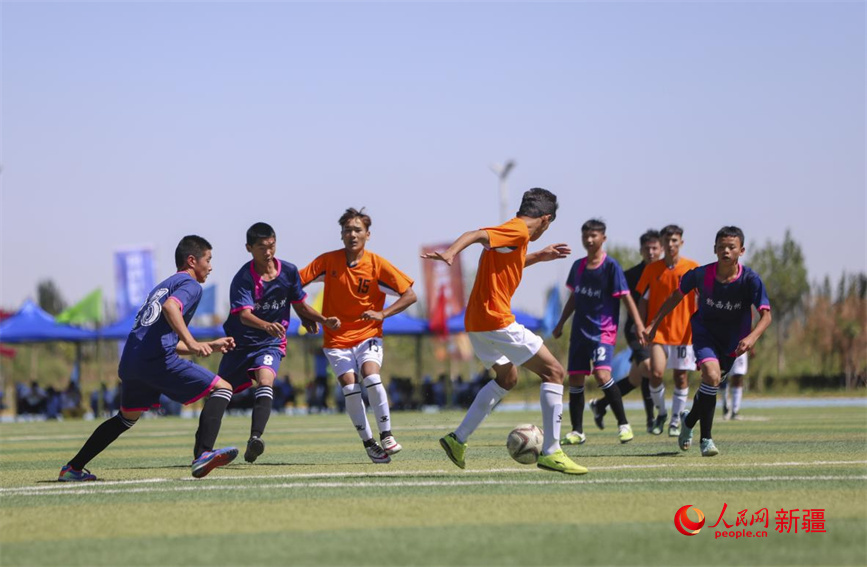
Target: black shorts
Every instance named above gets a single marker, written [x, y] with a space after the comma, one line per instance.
[639, 353]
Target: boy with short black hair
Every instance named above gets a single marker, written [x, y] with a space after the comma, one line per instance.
[639, 372]
[500, 342]
[598, 286]
[260, 298]
[150, 366]
[721, 327]
[673, 346]
[356, 283]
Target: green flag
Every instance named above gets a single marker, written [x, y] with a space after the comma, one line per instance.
[88, 310]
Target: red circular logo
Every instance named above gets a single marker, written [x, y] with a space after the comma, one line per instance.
[686, 526]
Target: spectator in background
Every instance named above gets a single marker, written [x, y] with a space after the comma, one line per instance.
[70, 404]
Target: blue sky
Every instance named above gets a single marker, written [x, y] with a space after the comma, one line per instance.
[127, 124]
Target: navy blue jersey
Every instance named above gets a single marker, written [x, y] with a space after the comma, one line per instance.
[633, 275]
[725, 309]
[597, 299]
[269, 301]
[151, 336]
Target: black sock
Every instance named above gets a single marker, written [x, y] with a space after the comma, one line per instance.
[612, 394]
[708, 395]
[625, 386]
[210, 420]
[261, 410]
[102, 437]
[648, 399]
[576, 408]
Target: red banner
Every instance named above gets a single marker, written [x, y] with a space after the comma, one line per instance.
[444, 289]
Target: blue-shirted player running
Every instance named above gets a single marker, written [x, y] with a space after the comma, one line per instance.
[150, 366]
[721, 327]
[598, 286]
[261, 295]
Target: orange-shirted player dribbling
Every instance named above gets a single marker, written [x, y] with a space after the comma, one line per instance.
[672, 346]
[356, 283]
[500, 342]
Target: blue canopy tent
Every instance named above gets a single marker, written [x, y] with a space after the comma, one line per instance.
[455, 324]
[33, 325]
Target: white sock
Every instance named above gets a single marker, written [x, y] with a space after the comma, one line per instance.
[551, 398]
[355, 410]
[658, 396]
[378, 401]
[678, 403]
[737, 394]
[488, 397]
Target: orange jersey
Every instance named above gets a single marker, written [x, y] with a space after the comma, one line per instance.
[660, 280]
[500, 268]
[349, 292]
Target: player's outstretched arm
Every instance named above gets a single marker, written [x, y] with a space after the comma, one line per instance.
[636, 316]
[274, 329]
[223, 344]
[463, 241]
[667, 307]
[548, 253]
[568, 309]
[187, 344]
[310, 315]
[406, 299]
[750, 340]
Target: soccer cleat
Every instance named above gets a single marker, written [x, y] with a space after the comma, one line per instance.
[255, 447]
[650, 426]
[454, 449]
[708, 449]
[673, 429]
[377, 454]
[559, 462]
[659, 423]
[736, 416]
[573, 438]
[625, 433]
[390, 444]
[209, 460]
[69, 474]
[598, 414]
[684, 438]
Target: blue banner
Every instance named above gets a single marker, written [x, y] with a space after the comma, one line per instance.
[134, 278]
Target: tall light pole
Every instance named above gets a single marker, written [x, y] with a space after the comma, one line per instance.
[502, 171]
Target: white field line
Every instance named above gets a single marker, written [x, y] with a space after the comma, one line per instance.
[430, 483]
[397, 474]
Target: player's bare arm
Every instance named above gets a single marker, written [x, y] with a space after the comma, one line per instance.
[548, 253]
[463, 241]
[223, 344]
[310, 315]
[749, 341]
[568, 310]
[667, 307]
[274, 328]
[187, 344]
[406, 299]
[636, 316]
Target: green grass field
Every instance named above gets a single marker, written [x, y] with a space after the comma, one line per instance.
[315, 499]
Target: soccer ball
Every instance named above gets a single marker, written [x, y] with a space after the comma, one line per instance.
[525, 443]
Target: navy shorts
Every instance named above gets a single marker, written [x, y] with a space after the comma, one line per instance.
[238, 366]
[639, 353]
[176, 377]
[583, 352]
[706, 347]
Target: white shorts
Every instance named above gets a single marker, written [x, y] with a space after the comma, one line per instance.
[345, 360]
[680, 357]
[513, 344]
[739, 367]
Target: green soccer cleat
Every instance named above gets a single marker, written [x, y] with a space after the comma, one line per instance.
[684, 438]
[708, 449]
[625, 433]
[674, 430]
[454, 449]
[559, 462]
[573, 438]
